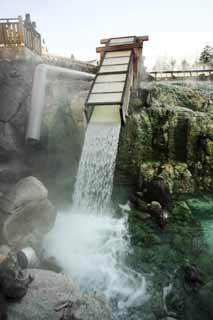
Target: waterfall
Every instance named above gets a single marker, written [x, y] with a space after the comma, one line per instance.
[89, 241]
[94, 182]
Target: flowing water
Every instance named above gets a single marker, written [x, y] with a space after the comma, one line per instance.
[94, 182]
[89, 241]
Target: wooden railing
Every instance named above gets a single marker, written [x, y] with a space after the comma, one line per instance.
[32, 40]
[179, 74]
[68, 63]
[11, 32]
[15, 33]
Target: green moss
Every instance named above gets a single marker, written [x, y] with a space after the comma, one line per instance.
[169, 130]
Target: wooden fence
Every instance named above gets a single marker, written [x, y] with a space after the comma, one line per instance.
[15, 33]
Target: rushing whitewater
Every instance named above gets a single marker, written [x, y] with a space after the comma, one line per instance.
[89, 241]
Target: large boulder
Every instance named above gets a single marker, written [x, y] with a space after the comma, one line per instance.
[48, 292]
[29, 210]
[26, 191]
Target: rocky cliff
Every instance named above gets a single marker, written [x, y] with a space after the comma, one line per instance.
[55, 158]
[169, 133]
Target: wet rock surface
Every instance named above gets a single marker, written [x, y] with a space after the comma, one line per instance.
[50, 291]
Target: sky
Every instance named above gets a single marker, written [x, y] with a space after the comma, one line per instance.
[177, 29]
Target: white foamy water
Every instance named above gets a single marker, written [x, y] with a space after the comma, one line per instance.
[94, 182]
[89, 241]
[92, 249]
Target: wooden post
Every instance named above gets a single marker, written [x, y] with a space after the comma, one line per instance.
[21, 30]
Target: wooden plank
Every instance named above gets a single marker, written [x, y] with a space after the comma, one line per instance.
[119, 47]
[20, 30]
[104, 41]
[106, 113]
[6, 40]
[111, 77]
[138, 39]
[7, 19]
[108, 87]
[122, 40]
[2, 34]
[114, 68]
[115, 61]
[143, 38]
[115, 54]
[105, 98]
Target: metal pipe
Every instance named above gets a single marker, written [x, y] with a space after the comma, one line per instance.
[38, 95]
[27, 258]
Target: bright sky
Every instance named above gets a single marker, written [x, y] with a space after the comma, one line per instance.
[177, 28]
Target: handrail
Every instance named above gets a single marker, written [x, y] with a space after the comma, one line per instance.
[14, 32]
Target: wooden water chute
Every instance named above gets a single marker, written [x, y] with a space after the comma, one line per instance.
[119, 71]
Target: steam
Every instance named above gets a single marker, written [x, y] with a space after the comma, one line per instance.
[38, 94]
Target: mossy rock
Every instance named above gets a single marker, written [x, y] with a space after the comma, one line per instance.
[181, 212]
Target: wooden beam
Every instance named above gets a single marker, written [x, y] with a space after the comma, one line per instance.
[143, 38]
[105, 41]
[119, 47]
[138, 39]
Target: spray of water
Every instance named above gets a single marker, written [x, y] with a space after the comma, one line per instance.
[89, 241]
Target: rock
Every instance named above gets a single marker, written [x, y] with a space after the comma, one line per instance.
[4, 250]
[142, 215]
[16, 84]
[27, 190]
[193, 276]
[50, 263]
[199, 305]
[91, 307]
[77, 109]
[157, 190]
[36, 217]
[3, 307]
[8, 140]
[48, 292]
[205, 296]
[172, 138]
[157, 213]
[155, 206]
[139, 203]
[31, 213]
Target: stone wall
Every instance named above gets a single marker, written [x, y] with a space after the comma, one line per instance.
[18, 53]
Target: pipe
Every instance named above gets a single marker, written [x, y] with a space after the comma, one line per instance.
[27, 258]
[38, 95]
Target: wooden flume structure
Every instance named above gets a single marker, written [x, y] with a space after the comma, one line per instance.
[118, 73]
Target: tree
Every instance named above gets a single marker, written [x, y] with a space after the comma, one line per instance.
[206, 56]
[173, 63]
[184, 64]
[162, 63]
